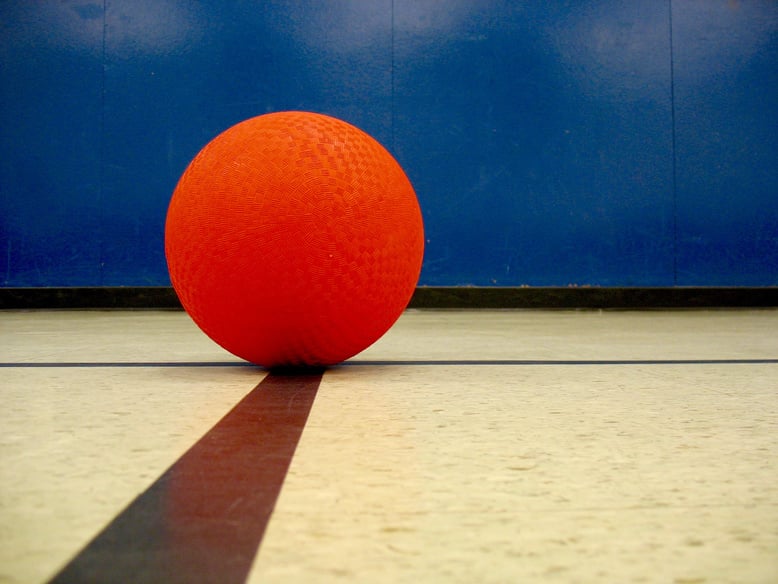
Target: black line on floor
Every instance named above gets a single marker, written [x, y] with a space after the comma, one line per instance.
[128, 364]
[455, 362]
[202, 521]
[398, 362]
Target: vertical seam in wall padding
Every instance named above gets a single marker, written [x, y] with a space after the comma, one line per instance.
[101, 158]
[673, 145]
[391, 74]
[7, 278]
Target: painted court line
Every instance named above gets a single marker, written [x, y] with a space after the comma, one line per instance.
[204, 518]
[386, 363]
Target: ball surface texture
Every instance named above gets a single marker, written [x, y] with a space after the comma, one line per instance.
[294, 238]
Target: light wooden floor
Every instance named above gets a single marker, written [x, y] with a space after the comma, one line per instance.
[464, 446]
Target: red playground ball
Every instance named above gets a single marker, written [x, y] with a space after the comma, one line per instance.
[294, 239]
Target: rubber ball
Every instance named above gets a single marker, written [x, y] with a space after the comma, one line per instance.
[294, 239]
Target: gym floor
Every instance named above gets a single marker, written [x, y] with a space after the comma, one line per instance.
[464, 446]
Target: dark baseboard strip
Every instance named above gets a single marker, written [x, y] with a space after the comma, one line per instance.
[161, 297]
[613, 298]
[119, 297]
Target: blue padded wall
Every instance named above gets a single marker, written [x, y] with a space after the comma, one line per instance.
[726, 96]
[50, 143]
[605, 143]
[540, 138]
